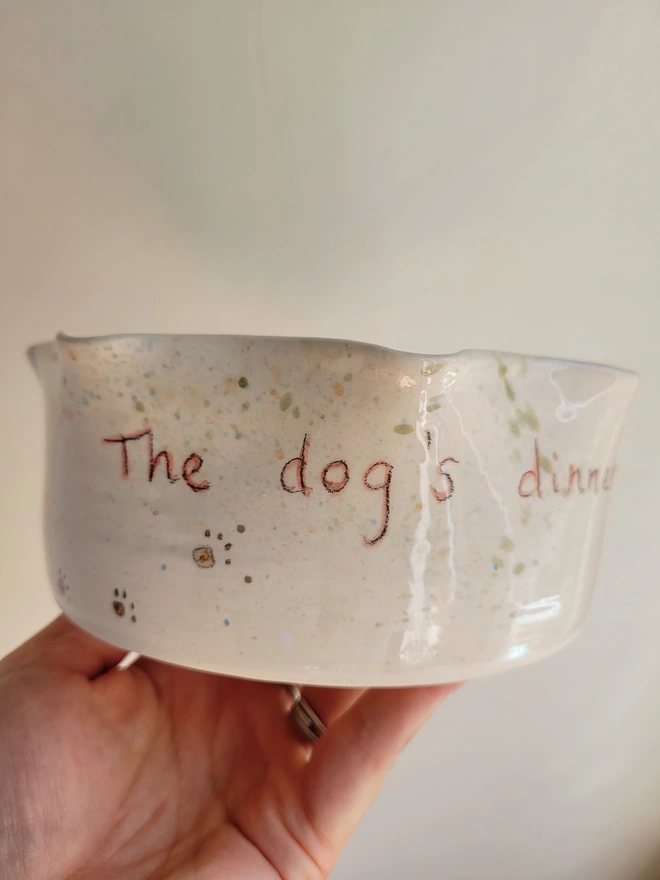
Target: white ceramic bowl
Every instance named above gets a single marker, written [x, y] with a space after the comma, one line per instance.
[322, 511]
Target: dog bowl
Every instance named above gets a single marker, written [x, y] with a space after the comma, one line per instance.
[326, 512]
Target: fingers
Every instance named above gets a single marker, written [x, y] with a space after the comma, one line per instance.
[63, 645]
[350, 762]
[330, 703]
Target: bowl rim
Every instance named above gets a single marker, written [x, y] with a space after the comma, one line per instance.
[62, 338]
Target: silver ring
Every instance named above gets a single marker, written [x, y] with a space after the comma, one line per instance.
[307, 722]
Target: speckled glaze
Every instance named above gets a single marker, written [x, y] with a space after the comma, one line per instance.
[322, 511]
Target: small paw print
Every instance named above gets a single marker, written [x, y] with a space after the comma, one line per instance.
[63, 585]
[204, 555]
[122, 607]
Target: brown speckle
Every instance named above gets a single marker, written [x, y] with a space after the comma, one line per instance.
[219, 536]
[117, 593]
[243, 382]
[155, 512]
[120, 608]
[133, 618]
[207, 533]
[227, 547]
[227, 561]
[279, 454]
[204, 557]
[339, 389]
[139, 406]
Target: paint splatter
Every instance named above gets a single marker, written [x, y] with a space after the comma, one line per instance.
[204, 557]
[404, 429]
[528, 418]
[431, 367]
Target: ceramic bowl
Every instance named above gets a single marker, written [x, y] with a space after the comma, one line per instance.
[326, 512]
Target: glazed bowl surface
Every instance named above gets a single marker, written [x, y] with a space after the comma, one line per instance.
[323, 511]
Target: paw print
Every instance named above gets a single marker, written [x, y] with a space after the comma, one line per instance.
[204, 555]
[121, 607]
[63, 585]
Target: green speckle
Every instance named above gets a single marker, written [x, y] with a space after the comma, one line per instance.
[498, 561]
[285, 401]
[139, 406]
[544, 461]
[519, 568]
[564, 492]
[295, 412]
[404, 429]
[516, 454]
[433, 404]
[240, 529]
[207, 403]
[348, 377]
[243, 382]
[514, 427]
[502, 370]
[245, 406]
[528, 418]
[431, 367]
[510, 393]
[247, 579]
[506, 544]
[379, 624]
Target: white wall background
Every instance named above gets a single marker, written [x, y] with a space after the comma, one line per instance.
[426, 175]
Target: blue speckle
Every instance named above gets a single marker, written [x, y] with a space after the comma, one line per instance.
[177, 416]
[495, 567]
[153, 392]
[85, 402]
[226, 622]
[247, 482]
[221, 477]
[373, 522]
[259, 399]
[238, 435]
[146, 375]
[187, 444]
[114, 355]
[163, 566]
[129, 384]
[274, 528]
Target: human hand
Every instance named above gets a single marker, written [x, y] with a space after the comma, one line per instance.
[165, 773]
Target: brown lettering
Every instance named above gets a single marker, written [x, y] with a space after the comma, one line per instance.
[300, 465]
[191, 466]
[385, 487]
[124, 439]
[608, 476]
[334, 486]
[574, 478]
[448, 491]
[533, 475]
